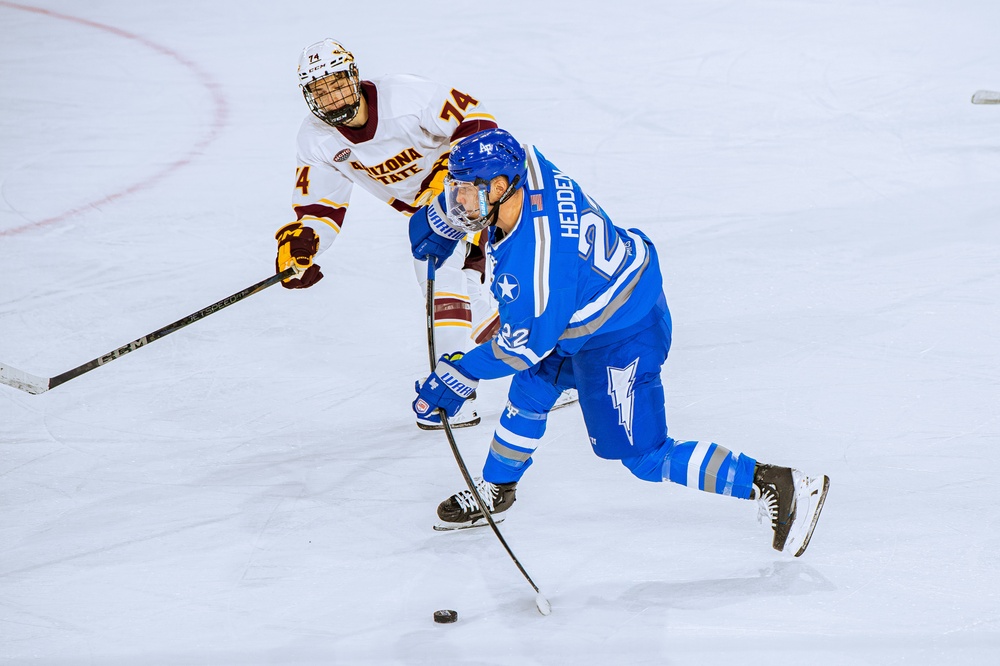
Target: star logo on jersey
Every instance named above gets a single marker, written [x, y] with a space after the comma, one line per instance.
[508, 286]
[343, 155]
[621, 381]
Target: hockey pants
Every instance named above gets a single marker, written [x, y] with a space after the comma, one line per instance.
[621, 396]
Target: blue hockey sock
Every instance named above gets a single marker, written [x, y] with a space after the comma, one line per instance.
[709, 467]
[700, 465]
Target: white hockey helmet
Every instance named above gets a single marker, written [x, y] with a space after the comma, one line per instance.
[329, 58]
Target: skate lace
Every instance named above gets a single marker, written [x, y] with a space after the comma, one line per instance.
[488, 491]
[767, 506]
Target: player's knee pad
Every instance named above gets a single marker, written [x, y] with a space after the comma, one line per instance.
[531, 395]
[537, 389]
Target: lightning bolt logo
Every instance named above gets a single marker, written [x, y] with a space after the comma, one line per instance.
[620, 384]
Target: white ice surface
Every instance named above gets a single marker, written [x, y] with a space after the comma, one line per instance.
[252, 489]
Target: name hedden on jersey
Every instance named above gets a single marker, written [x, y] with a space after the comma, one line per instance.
[384, 172]
[569, 219]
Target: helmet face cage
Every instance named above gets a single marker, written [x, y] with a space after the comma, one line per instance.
[330, 82]
[468, 203]
[323, 95]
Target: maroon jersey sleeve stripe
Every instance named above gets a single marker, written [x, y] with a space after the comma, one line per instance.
[335, 215]
[470, 127]
[403, 207]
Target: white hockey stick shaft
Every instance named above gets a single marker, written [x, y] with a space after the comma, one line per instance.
[986, 97]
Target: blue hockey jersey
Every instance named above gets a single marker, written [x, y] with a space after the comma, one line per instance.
[563, 275]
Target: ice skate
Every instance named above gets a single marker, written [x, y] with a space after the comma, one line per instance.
[791, 502]
[566, 398]
[461, 510]
[465, 418]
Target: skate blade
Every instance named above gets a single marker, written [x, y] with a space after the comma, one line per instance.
[454, 527]
[566, 401]
[815, 514]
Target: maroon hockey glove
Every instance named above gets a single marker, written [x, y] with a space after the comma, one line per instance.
[297, 245]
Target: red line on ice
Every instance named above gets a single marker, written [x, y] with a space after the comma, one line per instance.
[219, 118]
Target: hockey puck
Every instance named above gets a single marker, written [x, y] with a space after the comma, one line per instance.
[445, 616]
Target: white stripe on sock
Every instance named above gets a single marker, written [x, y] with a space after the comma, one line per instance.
[695, 462]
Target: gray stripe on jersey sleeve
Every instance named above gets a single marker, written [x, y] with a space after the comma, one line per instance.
[535, 181]
[616, 303]
[513, 361]
[542, 243]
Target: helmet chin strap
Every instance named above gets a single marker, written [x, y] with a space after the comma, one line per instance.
[355, 109]
[341, 113]
[494, 215]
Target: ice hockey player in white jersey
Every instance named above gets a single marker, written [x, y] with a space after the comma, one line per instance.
[390, 136]
[581, 305]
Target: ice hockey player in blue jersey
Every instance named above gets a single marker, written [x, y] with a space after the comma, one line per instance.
[581, 306]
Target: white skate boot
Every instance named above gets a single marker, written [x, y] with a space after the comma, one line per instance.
[792, 502]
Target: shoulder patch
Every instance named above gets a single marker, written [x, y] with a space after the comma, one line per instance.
[507, 287]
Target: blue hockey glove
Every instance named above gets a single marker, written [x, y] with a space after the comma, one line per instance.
[446, 388]
[431, 235]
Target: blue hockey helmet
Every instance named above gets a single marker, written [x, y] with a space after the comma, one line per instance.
[473, 163]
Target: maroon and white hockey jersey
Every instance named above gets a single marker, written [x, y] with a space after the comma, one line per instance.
[400, 156]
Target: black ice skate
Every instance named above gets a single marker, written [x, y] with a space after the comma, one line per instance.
[791, 501]
[461, 511]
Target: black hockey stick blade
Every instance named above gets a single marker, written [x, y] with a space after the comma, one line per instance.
[34, 384]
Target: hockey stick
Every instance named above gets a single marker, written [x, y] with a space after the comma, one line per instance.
[541, 603]
[35, 385]
[986, 97]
